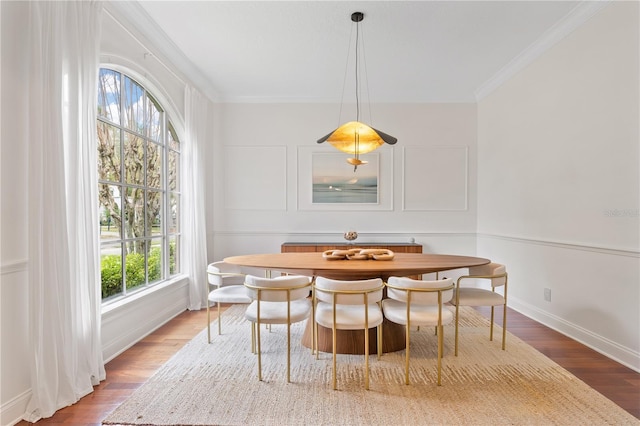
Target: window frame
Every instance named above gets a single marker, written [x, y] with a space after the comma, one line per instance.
[169, 145]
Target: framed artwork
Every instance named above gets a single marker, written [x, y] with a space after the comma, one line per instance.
[327, 182]
[335, 182]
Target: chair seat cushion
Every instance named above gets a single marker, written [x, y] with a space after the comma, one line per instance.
[230, 294]
[348, 317]
[471, 296]
[276, 312]
[396, 311]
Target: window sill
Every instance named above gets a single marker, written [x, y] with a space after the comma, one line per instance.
[116, 304]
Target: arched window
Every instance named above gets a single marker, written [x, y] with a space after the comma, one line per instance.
[138, 188]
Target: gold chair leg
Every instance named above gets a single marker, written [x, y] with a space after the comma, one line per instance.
[208, 324]
[380, 343]
[366, 358]
[406, 350]
[253, 338]
[289, 352]
[315, 325]
[440, 347]
[259, 352]
[491, 326]
[219, 320]
[504, 327]
[455, 351]
[335, 384]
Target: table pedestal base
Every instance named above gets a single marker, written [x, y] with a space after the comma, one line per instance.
[352, 341]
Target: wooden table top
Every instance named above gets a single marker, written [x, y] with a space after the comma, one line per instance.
[313, 264]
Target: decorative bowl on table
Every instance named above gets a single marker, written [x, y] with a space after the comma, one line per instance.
[350, 235]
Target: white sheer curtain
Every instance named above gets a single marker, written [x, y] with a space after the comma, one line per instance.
[64, 275]
[195, 230]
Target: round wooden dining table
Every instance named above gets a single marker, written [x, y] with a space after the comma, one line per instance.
[314, 264]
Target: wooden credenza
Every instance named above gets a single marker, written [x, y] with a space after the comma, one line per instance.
[321, 247]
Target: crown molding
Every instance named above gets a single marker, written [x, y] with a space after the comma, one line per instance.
[580, 14]
[139, 21]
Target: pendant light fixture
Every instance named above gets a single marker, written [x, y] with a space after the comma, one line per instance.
[355, 137]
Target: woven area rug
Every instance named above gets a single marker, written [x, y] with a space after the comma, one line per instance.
[216, 384]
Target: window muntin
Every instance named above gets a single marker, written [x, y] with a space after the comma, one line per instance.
[138, 171]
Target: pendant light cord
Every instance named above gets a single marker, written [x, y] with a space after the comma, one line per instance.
[357, 82]
[357, 135]
[344, 79]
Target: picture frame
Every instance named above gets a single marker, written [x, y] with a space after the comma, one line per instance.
[327, 182]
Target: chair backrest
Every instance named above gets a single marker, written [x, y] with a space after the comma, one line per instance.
[422, 292]
[216, 274]
[495, 270]
[275, 289]
[348, 292]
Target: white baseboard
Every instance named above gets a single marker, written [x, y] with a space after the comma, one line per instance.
[606, 347]
[11, 412]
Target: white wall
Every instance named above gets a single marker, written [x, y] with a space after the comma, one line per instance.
[261, 178]
[559, 184]
[14, 346]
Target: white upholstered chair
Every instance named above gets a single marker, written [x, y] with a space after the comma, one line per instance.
[227, 281]
[416, 303]
[496, 275]
[279, 300]
[349, 305]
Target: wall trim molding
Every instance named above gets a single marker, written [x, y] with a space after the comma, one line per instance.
[600, 344]
[14, 266]
[574, 19]
[365, 237]
[339, 234]
[13, 410]
[564, 245]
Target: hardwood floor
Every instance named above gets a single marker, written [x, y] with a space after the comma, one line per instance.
[615, 381]
[132, 368]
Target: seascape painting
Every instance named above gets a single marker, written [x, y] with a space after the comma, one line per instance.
[335, 181]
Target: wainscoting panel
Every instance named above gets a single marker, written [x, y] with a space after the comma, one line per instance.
[594, 291]
[255, 178]
[14, 317]
[435, 178]
[125, 324]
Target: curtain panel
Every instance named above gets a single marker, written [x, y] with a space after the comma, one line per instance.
[64, 269]
[195, 229]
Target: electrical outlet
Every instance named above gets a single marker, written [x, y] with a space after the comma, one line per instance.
[547, 294]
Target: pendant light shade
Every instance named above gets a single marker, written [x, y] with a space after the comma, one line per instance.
[356, 137]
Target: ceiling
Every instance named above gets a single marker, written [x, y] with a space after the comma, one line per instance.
[415, 51]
